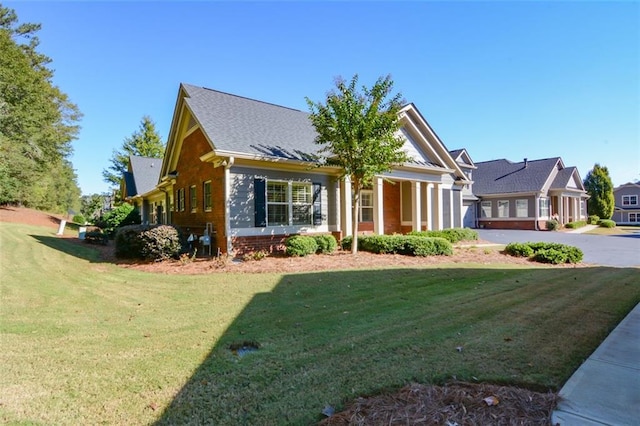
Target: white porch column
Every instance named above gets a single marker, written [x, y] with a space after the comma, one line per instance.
[429, 207]
[378, 206]
[416, 203]
[561, 209]
[227, 203]
[576, 209]
[438, 220]
[345, 206]
[451, 209]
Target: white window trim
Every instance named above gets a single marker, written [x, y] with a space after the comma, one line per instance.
[547, 207]
[289, 202]
[630, 198]
[193, 206]
[204, 197]
[526, 207]
[482, 212]
[636, 217]
[362, 206]
[500, 215]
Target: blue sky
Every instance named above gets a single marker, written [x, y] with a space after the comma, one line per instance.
[501, 79]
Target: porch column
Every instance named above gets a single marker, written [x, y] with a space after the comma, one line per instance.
[416, 203]
[429, 207]
[378, 206]
[345, 206]
[576, 209]
[438, 220]
[561, 209]
[452, 224]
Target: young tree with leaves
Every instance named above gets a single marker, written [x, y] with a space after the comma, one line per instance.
[600, 188]
[37, 123]
[145, 142]
[358, 133]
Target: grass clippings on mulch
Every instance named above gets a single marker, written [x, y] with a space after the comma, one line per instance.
[453, 404]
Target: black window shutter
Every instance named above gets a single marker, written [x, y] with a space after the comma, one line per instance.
[317, 204]
[260, 202]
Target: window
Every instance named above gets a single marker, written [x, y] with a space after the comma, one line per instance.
[522, 208]
[629, 200]
[193, 201]
[277, 203]
[485, 209]
[544, 207]
[583, 205]
[634, 217]
[302, 202]
[503, 208]
[180, 200]
[206, 191]
[366, 206]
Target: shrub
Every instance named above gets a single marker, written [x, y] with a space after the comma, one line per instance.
[519, 250]
[607, 223]
[156, 242]
[123, 215]
[593, 219]
[550, 255]
[79, 219]
[96, 237]
[546, 252]
[553, 225]
[452, 235]
[326, 243]
[300, 245]
[426, 246]
[345, 243]
[381, 244]
[576, 224]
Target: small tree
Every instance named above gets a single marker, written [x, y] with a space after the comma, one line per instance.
[145, 142]
[358, 133]
[600, 188]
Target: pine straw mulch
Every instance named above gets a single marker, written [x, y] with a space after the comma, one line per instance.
[453, 404]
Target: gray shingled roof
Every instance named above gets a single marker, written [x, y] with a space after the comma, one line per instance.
[503, 176]
[238, 124]
[563, 177]
[146, 173]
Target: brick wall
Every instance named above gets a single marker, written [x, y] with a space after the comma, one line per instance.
[192, 171]
[391, 208]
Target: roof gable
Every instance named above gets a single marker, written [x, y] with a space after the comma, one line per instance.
[462, 157]
[145, 173]
[567, 178]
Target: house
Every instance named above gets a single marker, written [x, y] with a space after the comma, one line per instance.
[525, 195]
[139, 180]
[469, 200]
[627, 204]
[244, 170]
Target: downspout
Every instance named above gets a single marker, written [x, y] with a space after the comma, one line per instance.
[227, 202]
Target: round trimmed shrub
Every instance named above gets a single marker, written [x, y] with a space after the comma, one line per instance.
[553, 225]
[326, 243]
[300, 245]
[519, 250]
[576, 224]
[426, 246]
[550, 255]
[607, 223]
[593, 219]
[157, 242]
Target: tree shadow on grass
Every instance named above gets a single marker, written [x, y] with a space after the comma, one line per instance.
[327, 338]
[73, 248]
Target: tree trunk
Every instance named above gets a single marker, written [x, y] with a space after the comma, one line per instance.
[354, 218]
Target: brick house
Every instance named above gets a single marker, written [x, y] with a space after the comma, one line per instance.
[245, 170]
[525, 195]
[627, 204]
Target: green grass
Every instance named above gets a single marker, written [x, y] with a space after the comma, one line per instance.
[85, 342]
[618, 230]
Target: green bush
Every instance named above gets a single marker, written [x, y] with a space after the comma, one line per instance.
[576, 224]
[123, 215]
[150, 242]
[607, 223]
[427, 246]
[546, 252]
[553, 225]
[519, 250]
[593, 219]
[550, 256]
[300, 245]
[326, 243]
[345, 243]
[79, 219]
[381, 244]
[96, 237]
[452, 235]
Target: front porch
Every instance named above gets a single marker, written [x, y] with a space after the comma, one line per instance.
[567, 208]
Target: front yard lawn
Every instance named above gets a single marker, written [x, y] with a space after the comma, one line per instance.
[87, 342]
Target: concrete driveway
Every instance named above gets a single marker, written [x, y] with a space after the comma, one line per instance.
[605, 250]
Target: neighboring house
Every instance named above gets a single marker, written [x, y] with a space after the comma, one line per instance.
[245, 168]
[140, 179]
[469, 200]
[525, 195]
[627, 204]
